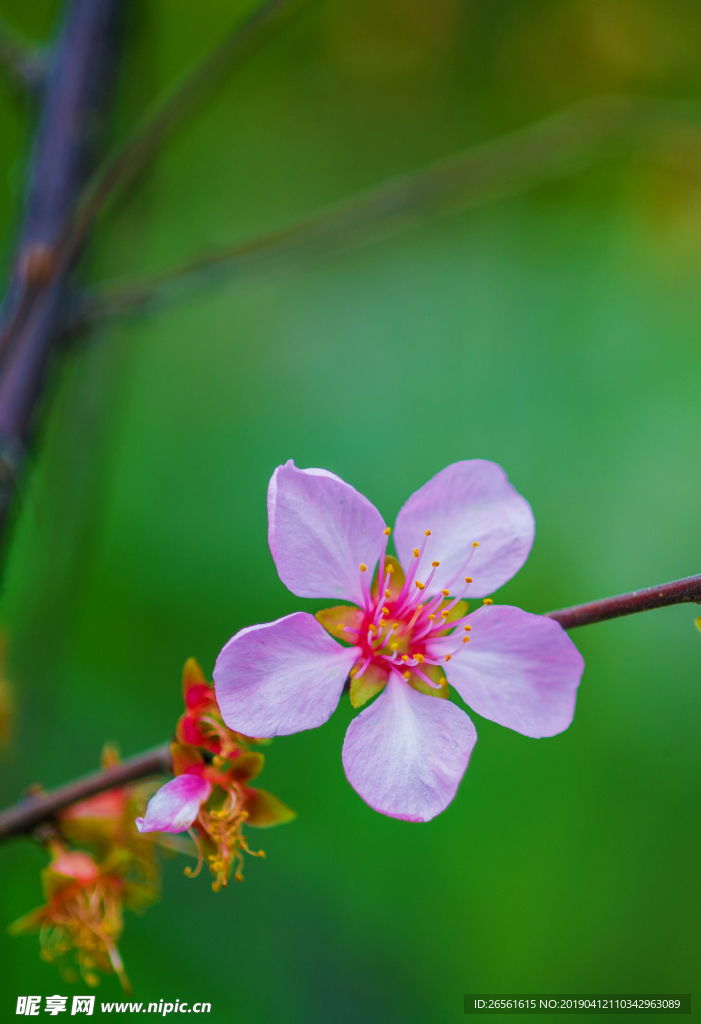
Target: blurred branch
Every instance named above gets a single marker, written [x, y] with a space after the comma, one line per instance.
[683, 591]
[76, 91]
[25, 64]
[558, 146]
[39, 807]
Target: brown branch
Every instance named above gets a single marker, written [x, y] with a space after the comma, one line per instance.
[549, 149]
[36, 808]
[679, 592]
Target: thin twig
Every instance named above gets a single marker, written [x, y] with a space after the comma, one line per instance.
[36, 808]
[28, 813]
[562, 144]
[678, 592]
[172, 111]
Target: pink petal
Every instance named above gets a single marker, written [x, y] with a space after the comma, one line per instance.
[406, 753]
[467, 502]
[281, 677]
[519, 670]
[320, 529]
[176, 805]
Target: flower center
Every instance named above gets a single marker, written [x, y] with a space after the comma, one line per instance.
[398, 627]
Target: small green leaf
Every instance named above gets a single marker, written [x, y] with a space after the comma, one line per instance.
[265, 810]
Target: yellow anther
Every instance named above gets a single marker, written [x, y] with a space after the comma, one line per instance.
[363, 567]
[420, 586]
[466, 639]
[393, 647]
[448, 657]
[435, 564]
[476, 544]
[467, 628]
[388, 593]
[416, 552]
[445, 593]
[372, 627]
[405, 657]
[419, 658]
[431, 618]
[389, 568]
[388, 530]
[468, 579]
[406, 675]
[445, 612]
[488, 600]
[395, 625]
[427, 533]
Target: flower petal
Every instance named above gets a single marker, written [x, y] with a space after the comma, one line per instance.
[466, 502]
[281, 677]
[320, 529]
[406, 753]
[519, 670]
[176, 805]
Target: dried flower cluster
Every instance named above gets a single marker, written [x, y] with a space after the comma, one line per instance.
[99, 865]
[210, 797]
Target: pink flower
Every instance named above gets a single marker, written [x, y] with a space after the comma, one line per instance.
[464, 533]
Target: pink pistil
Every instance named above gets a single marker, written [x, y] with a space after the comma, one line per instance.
[422, 675]
[366, 592]
[366, 664]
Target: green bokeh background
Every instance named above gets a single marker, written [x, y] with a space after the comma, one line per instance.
[556, 332]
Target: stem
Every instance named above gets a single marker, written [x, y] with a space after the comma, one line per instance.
[33, 810]
[683, 591]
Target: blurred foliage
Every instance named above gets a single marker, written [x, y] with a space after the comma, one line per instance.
[556, 333]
